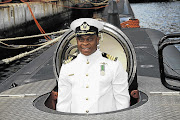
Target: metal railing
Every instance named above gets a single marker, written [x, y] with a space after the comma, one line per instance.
[162, 44]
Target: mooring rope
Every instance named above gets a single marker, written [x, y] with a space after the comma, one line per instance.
[8, 60]
[35, 20]
[34, 36]
[7, 46]
[20, 46]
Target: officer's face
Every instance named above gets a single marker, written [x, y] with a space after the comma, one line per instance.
[87, 44]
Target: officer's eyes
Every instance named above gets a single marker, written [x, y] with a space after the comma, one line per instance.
[81, 40]
[88, 39]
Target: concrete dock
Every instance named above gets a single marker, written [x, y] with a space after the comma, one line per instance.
[18, 15]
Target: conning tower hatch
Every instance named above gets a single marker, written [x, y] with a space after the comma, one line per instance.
[113, 41]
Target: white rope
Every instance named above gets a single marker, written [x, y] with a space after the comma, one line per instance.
[25, 37]
[20, 46]
[8, 60]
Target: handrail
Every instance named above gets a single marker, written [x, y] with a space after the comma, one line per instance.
[161, 45]
[174, 35]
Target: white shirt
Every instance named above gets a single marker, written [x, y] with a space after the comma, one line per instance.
[82, 88]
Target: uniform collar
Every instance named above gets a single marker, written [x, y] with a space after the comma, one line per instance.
[93, 57]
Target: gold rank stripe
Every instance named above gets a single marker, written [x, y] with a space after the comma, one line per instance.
[110, 57]
[69, 60]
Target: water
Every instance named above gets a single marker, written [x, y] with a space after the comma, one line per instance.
[164, 17]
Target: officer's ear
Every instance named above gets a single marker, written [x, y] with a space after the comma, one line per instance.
[98, 38]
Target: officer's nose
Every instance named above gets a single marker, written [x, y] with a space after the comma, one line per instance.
[85, 42]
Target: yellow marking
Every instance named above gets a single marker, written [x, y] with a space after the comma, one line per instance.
[70, 74]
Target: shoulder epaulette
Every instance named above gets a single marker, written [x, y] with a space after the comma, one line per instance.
[108, 56]
[69, 59]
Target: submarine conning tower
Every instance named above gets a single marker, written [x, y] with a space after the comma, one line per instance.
[113, 16]
[119, 12]
[125, 11]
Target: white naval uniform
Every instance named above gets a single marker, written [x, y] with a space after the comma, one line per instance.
[83, 89]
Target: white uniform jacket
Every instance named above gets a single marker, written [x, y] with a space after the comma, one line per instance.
[84, 88]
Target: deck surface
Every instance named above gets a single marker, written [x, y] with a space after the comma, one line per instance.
[158, 106]
[33, 79]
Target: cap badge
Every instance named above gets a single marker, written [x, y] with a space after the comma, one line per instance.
[84, 26]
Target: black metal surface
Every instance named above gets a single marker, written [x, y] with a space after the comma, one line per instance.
[113, 16]
[147, 61]
[40, 68]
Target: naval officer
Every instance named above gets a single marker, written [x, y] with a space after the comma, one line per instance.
[91, 83]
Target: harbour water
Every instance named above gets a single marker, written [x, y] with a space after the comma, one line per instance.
[162, 16]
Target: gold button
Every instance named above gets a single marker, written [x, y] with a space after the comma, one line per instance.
[87, 62]
[87, 111]
[86, 74]
[86, 98]
[87, 86]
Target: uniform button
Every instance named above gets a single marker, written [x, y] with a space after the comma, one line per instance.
[87, 111]
[86, 74]
[87, 99]
[87, 86]
[87, 62]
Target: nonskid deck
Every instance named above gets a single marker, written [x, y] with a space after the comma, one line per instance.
[158, 106]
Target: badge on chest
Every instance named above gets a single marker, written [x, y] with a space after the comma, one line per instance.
[102, 69]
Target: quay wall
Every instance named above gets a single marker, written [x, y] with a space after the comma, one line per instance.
[15, 14]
